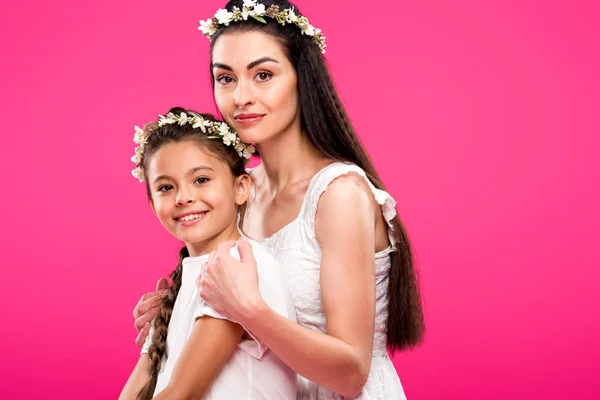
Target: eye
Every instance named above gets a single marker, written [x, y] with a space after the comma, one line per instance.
[165, 188]
[263, 76]
[224, 79]
[201, 180]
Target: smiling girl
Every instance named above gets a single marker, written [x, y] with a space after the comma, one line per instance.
[193, 167]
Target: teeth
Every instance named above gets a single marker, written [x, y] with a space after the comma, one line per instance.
[190, 217]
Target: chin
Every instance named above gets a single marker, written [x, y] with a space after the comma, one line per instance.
[253, 135]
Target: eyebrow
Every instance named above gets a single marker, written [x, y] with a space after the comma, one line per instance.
[190, 172]
[249, 66]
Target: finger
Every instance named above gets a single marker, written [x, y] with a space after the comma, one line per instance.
[143, 306]
[211, 256]
[141, 337]
[199, 286]
[201, 292]
[246, 253]
[145, 318]
[148, 295]
[225, 247]
[162, 284]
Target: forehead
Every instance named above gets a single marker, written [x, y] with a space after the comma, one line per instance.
[180, 157]
[240, 49]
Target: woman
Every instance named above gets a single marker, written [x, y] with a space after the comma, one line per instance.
[318, 206]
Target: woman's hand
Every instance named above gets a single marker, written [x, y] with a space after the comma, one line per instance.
[146, 309]
[228, 285]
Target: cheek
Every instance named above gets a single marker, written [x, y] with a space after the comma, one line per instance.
[285, 98]
[161, 208]
[222, 199]
[223, 100]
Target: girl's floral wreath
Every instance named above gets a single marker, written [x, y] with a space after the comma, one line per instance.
[252, 8]
[216, 129]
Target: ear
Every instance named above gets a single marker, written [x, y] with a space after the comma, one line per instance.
[243, 184]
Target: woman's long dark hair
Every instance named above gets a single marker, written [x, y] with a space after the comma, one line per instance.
[326, 124]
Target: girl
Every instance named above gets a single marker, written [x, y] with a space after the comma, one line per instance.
[318, 206]
[193, 167]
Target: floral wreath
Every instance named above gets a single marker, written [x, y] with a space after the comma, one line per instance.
[252, 8]
[216, 129]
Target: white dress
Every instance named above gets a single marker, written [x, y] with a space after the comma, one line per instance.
[297, 249]
[253, 371]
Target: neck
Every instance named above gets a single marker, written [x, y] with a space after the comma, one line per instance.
[206, 246]
[289, 157]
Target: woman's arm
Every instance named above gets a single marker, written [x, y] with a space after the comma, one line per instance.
[207, 350]
[339, 360]
[137, 380]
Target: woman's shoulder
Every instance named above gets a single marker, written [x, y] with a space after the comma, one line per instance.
[261, 255]
[341, 180]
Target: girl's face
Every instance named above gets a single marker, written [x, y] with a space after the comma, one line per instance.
[194, 195]
[256, 86]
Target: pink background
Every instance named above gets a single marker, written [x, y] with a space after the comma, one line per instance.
[482, 119]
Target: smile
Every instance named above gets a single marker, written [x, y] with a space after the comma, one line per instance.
[190, 219]
[248, 119]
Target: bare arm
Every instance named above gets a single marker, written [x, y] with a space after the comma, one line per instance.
[137, 380]
[207, 350]
[340, 359]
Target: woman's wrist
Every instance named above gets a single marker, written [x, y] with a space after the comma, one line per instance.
[251, 309]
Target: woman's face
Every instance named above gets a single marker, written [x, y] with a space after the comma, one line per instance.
[256, 86]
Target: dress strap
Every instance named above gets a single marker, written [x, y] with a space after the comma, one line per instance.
[324, 177]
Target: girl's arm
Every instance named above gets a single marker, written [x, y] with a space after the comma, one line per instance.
[340, 360]
[137, 380]
[207, 350]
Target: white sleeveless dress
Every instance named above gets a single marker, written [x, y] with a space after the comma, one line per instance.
[298, 251]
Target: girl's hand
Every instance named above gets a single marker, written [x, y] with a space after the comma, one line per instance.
[228, 285]
[146, 309]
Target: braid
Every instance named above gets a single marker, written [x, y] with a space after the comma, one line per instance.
[158, 348]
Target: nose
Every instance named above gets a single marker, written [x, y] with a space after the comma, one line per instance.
[184, 197]
[243, 95]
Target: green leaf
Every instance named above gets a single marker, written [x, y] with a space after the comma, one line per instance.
[259, 19]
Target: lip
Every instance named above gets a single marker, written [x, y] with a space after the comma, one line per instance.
[248, 119]
[192, 222]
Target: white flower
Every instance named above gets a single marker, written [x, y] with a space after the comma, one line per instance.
[259, 9]
[162, 120]
[182, 119]
[240, 147]
[207, 27]
[139, 135]
[291, 17]
[249, 3]
[248, 151]
[308, 29]
[229, 138]
[199, 123]
[223, 129]
[245, 13]
[223, 16]
[138, 173]
[137, 157]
